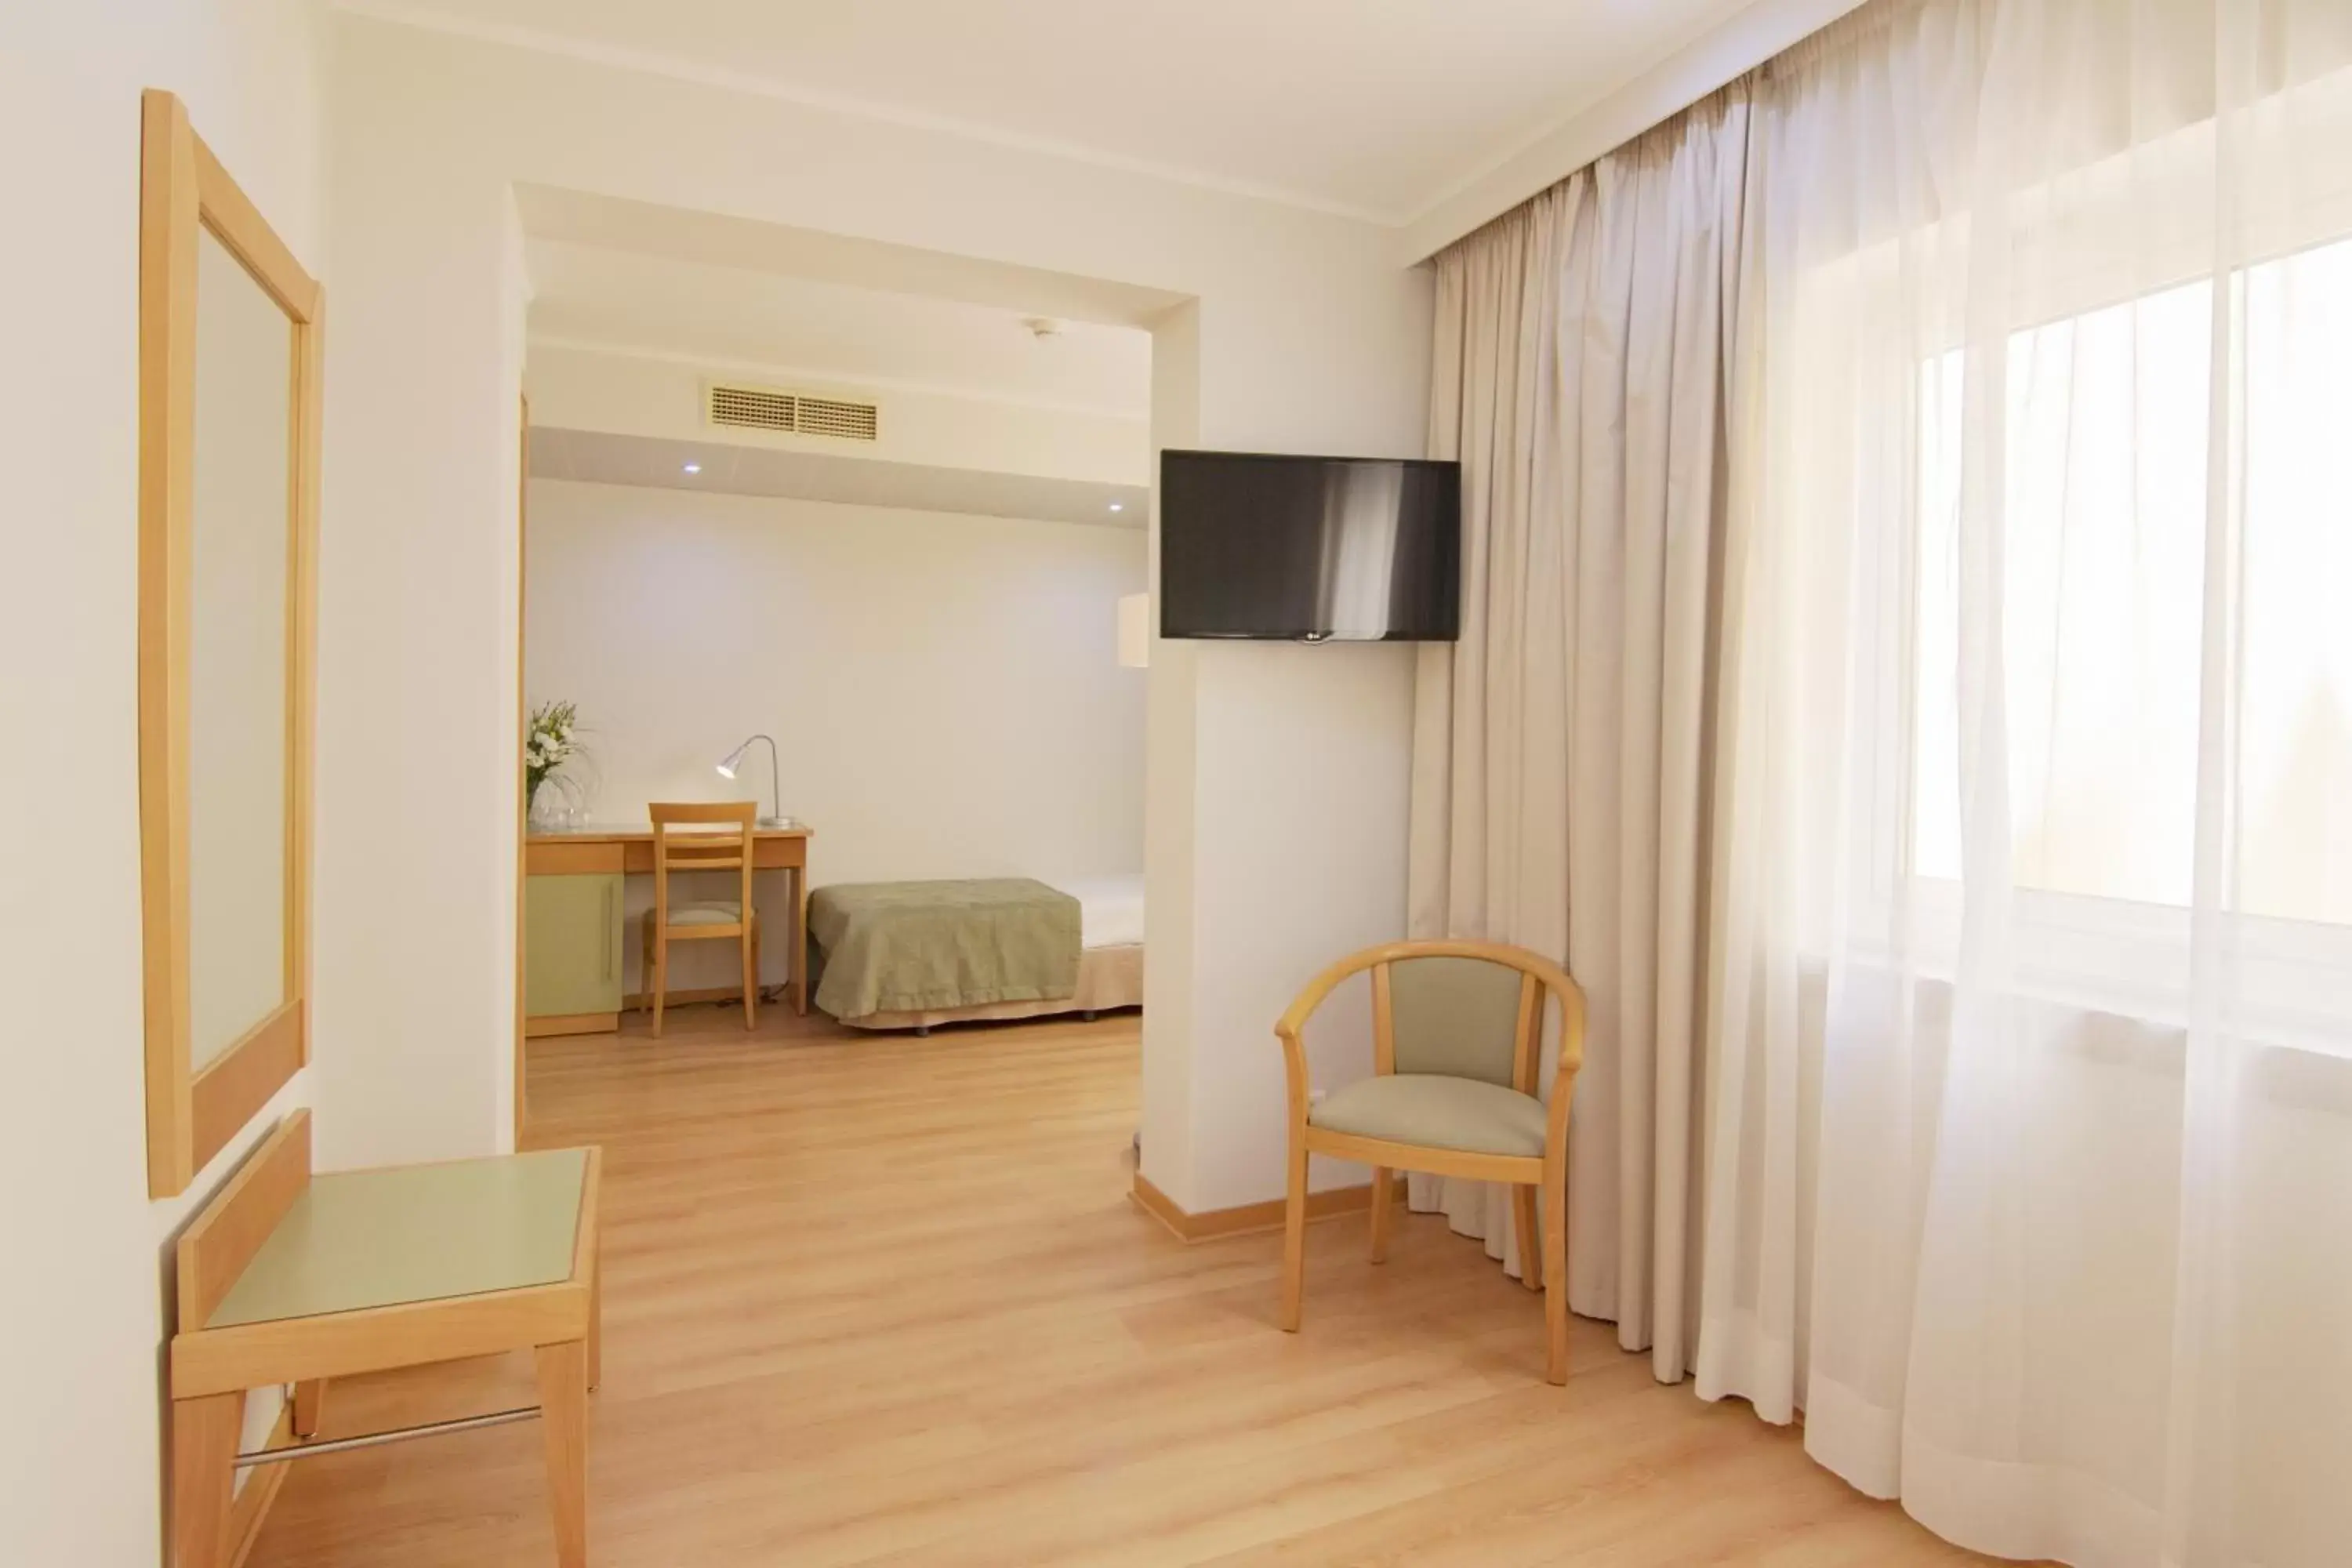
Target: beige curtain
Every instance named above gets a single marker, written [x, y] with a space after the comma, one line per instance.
[2023, 1079]
[1561, 747]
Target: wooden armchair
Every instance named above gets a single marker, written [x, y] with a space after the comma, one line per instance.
[1456, 1030]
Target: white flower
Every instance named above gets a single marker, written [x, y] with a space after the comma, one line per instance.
[548, 742]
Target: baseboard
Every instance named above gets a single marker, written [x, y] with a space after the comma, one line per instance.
[551, 1024]
[635, 1000]
[1215, 1225]
[548, 1025]
[260, 1489]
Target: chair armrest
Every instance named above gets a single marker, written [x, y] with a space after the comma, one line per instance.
[1322, 985]
[1564, 1091]
[1293, 1072]
[1563, 1084]
[1288, 1029]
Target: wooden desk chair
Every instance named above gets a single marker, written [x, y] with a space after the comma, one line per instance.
[719, 839]
[1456, 1030]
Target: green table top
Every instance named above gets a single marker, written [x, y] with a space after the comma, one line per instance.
[355, 1239]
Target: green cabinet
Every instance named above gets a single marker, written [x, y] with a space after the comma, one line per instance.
[571, 944]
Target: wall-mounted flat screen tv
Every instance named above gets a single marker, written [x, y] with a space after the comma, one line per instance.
[1309, 549]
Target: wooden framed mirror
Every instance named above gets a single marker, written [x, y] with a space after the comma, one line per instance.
[228, 442]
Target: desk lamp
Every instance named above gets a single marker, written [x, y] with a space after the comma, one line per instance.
[734, 760]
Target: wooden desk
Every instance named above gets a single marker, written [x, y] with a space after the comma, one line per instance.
[284, 1277]
[582, 914]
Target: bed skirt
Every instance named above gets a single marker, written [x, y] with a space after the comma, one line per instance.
[1107, 977]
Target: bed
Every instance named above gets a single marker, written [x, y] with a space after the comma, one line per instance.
[910, 955]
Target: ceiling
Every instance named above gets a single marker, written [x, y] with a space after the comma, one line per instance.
[1380, 108]
[736, 317]
[722, 468]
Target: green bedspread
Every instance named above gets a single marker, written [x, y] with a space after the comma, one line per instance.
[901, 947]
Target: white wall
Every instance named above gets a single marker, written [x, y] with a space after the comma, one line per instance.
[1307, 335]
[944, 691]
[82, 1312]
[414, 901]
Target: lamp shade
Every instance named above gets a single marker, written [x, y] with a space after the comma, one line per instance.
[734, 760]
[1135, 630]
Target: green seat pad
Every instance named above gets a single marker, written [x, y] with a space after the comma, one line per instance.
[384, 1237]
[1436, 1112]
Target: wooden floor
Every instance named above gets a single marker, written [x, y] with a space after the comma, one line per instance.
[879, 1299]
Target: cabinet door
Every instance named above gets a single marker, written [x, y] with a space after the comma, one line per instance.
[572, 959]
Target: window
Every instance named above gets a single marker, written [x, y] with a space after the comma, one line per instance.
[2104, 561]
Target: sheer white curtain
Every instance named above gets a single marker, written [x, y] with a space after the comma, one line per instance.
[1559, 797]
[2030, 1137]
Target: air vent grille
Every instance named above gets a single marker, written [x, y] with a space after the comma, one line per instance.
[754, 406]
[832, 416]
[790, 413]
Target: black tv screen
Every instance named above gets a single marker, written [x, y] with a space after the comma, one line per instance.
[1309, 549]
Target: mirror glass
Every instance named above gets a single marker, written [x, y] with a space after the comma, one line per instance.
[237, 610]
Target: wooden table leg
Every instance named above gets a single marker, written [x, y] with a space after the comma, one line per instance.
[596, 1323]
[563, 1413]
[203, 1468]
[308, 1399]
[800, 940]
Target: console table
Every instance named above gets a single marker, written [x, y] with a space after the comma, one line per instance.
[286, 1278]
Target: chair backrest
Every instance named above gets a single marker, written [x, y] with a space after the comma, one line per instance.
[1451, 1006]
[1464, 1008]
[717, 837]
[1459, 1016]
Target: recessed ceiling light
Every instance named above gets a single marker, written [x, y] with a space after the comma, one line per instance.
[694, 467]
[1118, 506]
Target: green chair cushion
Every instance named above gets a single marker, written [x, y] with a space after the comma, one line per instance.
[704, 914]
[1435, 1112]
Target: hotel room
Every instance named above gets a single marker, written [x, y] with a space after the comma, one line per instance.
[1035, 784]
[858, 552]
